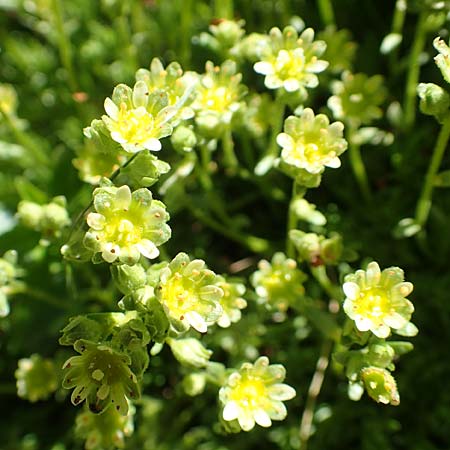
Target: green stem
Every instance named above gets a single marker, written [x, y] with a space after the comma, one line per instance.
[224, 9]
[297, 192]
[253, 243]
[204, 169]
[414, 71]
[320, 274]
[356, 161]
[230, 158]
[64, 48]
[313, 393]
[25, 140]
[424, 202]
[397, 27]
[125, 33]
[186, 16]
[326, 12]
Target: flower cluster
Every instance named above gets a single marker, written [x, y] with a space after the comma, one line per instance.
[9, 272]
[254, 394]
[126, 225]
[377, 301]
[101, 376]
[290, 61]
[218, 97]
[37, 378]
[190, 294]
[357, 98]
[48, 219]
[279, 283]
[137, 119]
[106, 430]
[309, 144]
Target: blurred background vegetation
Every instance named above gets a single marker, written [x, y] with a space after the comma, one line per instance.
[63, 59]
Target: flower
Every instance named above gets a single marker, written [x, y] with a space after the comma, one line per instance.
[278, 283]
[290, 61]
[9, 272]
[190, 294]
[218, 96]
[101, 376]
[309, 143]
[380, 385]
[231, 302]
[36, 378]
[126, 225]
[138, 119]
[376, 300]
[174, 83]
[106, 430]
[255, 393]
[357, 98]
[442, 59]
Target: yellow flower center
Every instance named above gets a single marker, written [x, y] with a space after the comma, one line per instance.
[249, 392]
[179, 295]
[289, 64]
[373, 303]
[134, 125]
[122, 230]
[217, 99]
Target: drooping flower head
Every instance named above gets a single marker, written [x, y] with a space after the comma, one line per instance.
[231, 302]
[126, 225]
[174, 83]
[138, 119]
[380, 385]
[106, 430]
[218, 96]
[357, 98]
[36, 378]
[278, 283]
[377, 301]
[290, 61]
[310, 143]
[190, 294]
[255, 394]
[101, 376]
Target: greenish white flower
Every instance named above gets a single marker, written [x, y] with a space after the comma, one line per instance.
[190, 294]
[9, 272]
[37, 378]
[126, 225]
[218, 96]
[189, 352]
[380, 385]
[174, 83]
[101, 376]
[231, 302]
[377, 301]
[290, 61]
[310, 143]
[279, 283]
[106, 430]
[442, 60]
[255, 394]
[357, 98]
[137, 119]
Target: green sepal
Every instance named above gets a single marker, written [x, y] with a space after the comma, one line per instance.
[156, 320]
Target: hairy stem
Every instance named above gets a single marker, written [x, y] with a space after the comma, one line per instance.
[230, 158]
[424, 202]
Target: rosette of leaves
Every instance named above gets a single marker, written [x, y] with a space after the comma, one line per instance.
[290, 61]
[172, 81]
[278, 283]
[231, 302]
[125, 225]
[217, 97]
[190, 294]
[309, 144]
[37, 378]
[376, 301]
[104, 431]
[101, 376]
[357, 98]
[137, 119]
[255, 394]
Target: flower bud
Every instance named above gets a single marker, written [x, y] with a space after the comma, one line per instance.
[434, 100]
[380, 385]
[189, 352]
[183, 139]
